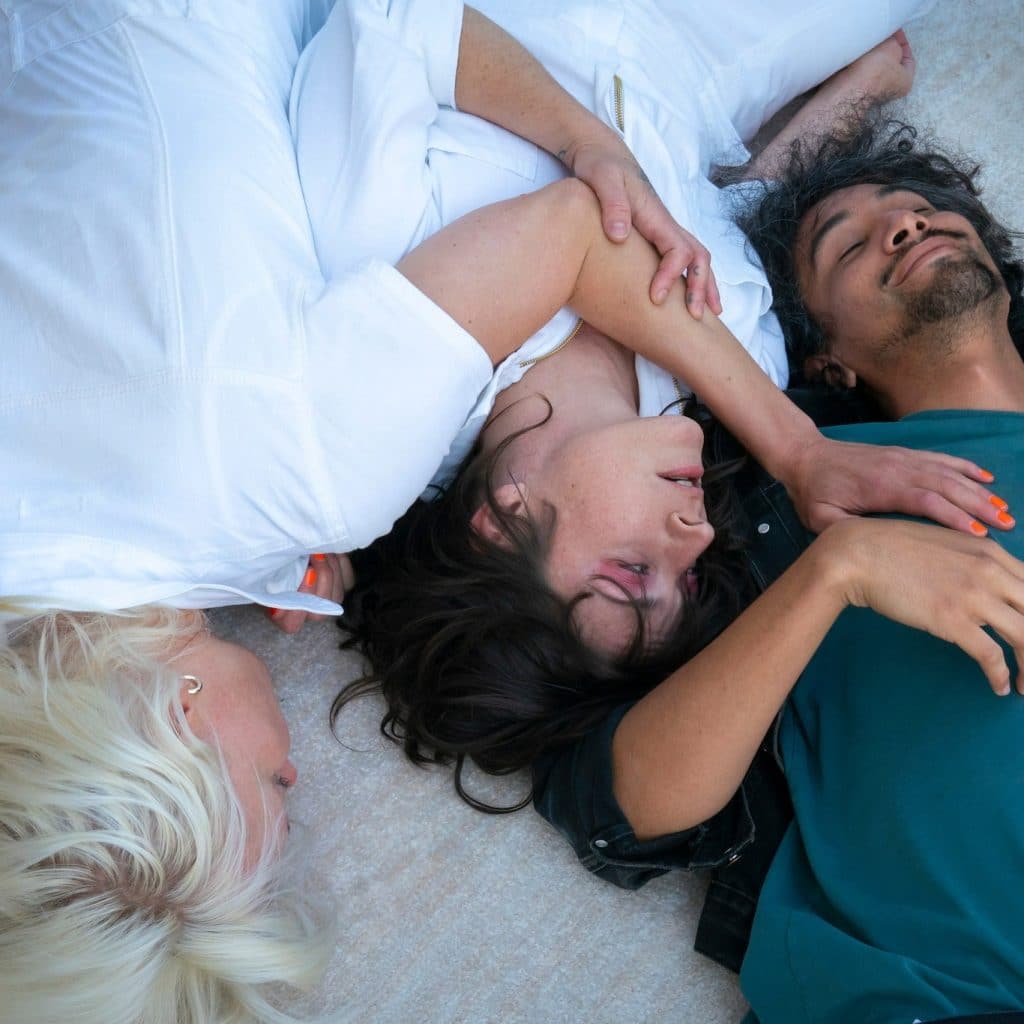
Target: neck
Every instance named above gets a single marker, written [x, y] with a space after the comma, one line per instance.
[980, 369]
[588, 384]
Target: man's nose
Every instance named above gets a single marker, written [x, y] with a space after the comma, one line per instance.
[903, 226]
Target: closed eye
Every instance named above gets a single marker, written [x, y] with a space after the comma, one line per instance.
[629, 578]
[846, 252]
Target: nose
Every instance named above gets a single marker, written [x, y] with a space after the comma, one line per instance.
[689, 536]
[901, 227]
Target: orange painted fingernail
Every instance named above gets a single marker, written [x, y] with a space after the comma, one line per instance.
[1005, 519]
[323, 558]
[998, 502]
[977, 529]
[310, 578]
[987, 476]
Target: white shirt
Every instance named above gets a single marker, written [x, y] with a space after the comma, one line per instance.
[424, 163]
[188, 409]
[190, 404]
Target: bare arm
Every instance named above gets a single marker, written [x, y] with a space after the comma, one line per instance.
[499, 80]
[840, 103]
[680, 753]
[503, 271]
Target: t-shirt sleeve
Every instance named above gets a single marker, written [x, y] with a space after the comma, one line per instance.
[573, 791]
[433, 29]
[390, 379]
[366, 92]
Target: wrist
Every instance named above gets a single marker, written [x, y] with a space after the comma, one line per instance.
[840, 562]
[792, 457]
[584, 134]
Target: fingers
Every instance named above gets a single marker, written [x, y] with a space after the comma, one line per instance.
[288, 620]
[681, 256]
[950, 491]
[616, 213]
[1006, 621]
[627, 199]
[990, 658]
[328, 576]
[989, 599]
[928, 504]
[347, 573]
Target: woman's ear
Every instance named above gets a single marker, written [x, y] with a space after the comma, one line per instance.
[830, 370]
[511, 499]
[188, 687]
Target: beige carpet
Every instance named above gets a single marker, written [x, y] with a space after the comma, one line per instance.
[448, 915]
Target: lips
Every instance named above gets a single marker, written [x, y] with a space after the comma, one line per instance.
[916, 254]
[684, 476]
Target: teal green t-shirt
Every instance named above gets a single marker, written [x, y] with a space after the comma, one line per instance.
[897, 894]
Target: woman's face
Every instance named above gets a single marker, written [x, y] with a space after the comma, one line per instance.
[630, 519]
[238, 710]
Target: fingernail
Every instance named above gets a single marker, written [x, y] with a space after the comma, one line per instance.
[998, 502]
[987, 476]
[977, 529]
[323, 558]
[659, 295]
[310, 578]
[620, 229]
[1005, 519]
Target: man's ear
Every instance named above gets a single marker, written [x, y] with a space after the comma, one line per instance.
[511, 499]
[827, 368]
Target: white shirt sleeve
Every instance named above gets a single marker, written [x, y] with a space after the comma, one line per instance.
[391, 378]
[366, 91]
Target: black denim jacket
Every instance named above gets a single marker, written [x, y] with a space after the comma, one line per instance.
[573, 787]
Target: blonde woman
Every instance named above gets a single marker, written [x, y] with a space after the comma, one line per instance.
[143, 771]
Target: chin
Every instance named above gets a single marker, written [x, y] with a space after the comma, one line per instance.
[958, 287]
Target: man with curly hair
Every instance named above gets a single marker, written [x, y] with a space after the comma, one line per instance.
[888, 898]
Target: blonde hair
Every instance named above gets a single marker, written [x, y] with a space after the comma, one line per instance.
[122, 891]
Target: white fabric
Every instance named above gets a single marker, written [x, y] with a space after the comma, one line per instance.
[188, 410]
[385, 160]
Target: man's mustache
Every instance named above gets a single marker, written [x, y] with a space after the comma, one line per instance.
[930, 233]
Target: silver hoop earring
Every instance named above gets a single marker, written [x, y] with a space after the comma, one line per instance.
[197, 684]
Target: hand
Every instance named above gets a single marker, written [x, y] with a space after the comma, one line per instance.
[939, 581]
[836, 479]
[627, 198]
[328, 576]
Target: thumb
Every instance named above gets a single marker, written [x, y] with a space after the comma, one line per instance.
[616, 214]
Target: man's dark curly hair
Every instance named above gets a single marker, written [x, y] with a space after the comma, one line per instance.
[878, 152]
[478, 658]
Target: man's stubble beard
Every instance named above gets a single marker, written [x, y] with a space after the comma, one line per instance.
[940, 314]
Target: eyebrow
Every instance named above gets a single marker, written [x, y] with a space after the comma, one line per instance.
[837, 218]
[819, 235]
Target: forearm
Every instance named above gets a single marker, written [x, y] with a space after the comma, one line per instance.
[681, 753]
[840, 104]
[503, 271]
[501, 81]
[830, 111]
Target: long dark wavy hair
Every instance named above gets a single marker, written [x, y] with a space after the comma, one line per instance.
[879, 152]
[474, 653]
